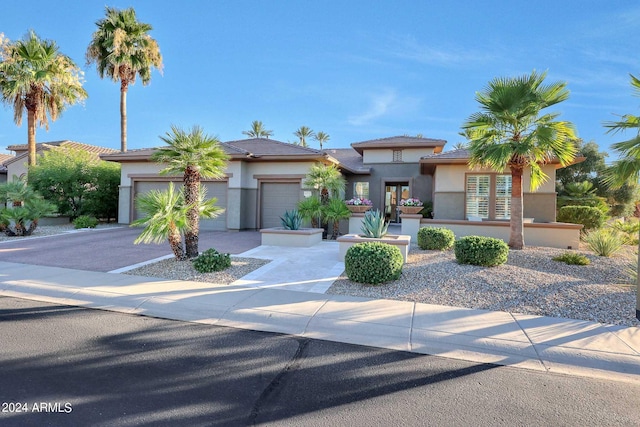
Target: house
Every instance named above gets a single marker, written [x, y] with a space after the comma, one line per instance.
[3, 169]
[264, 177]
[18, 165]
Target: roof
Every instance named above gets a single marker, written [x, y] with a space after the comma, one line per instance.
[348, 159]
[243, 149]
[22, 149]
[4, 158]
[399, 142]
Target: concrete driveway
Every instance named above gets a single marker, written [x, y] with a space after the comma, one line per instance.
[111, 248]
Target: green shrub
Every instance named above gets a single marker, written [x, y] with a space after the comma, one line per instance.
[435, 238]
[572, 258]
[373, 225]
[373, 262]
[211, 260]
[630, 229]
[85, 221]
[604, 242]
[292, 220]
[631, 270]
[478, 250]
[589, 217]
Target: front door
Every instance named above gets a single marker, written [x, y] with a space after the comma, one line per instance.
[394, 192]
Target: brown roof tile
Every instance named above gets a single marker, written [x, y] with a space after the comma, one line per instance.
[349, 159]
[400, 142]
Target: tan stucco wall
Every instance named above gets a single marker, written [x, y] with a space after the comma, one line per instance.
[409, 155]
[17, 168]
[452, 178]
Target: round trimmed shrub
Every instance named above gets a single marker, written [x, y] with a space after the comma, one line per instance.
[373, 263]
[589, 217]
[435, 238]
[85, 221]
[210, 261]
[479, 250]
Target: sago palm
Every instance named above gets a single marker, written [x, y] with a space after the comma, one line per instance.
[511, 133]
[257, 130]
[195, 155]
[122, 49]
[35, 77]
[627, 168]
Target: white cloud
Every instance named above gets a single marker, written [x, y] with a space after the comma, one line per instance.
[384, 103]
[409, 48]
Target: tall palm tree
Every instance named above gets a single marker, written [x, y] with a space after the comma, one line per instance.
[511, 133]
[122, 49]
[627, 168]
[195, 155]
[303, 133]
[321, 137]
[36, 77]
[257, 130]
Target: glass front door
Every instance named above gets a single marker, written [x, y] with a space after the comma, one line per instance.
[394, 192]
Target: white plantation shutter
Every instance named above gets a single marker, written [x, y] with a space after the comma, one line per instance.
[478, 187]
[503, 196]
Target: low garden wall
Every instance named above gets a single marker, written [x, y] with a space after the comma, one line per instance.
[278, 236]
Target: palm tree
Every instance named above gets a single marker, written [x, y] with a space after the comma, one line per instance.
[122, 49]
[36, 77]
[196, 155]
[257, 130]
[303, 133]
[510, 133]
[321, 137]
[165, 217]
[627, 168]
[327, 180]
[311, 209]
[334, 211]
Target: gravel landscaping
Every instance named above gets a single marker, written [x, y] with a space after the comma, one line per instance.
[529, 283]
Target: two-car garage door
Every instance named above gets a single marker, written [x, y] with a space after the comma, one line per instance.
[214, 189]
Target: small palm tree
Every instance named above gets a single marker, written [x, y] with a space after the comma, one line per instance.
[321, 137]
[35, 77]
[311, 210]
[257, 130]
[303, 133]
[165, 218]
[327, 180]
[195, 155]
[510, 133]
[122, 49]
[335, 211]
[627, 168]
[27, 207]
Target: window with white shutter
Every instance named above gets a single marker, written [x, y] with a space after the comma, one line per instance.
[478, 187]
[503, 196]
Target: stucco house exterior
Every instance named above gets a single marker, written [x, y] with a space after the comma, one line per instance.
[3, 169]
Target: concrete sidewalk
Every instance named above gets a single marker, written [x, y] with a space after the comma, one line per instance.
[286, 296]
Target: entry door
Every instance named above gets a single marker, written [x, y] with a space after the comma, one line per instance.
[394, 192]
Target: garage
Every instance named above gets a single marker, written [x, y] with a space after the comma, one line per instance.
[275, 199]
[215, 189]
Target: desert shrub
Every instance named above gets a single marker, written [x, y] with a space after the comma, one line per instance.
[211, 260]
[435, 238]
[631, 270]
[479, 250]
[291, 220]
[373, 262]
[374, 225]
[604, 242]
[591, 218]
[572, 258]
[629, 228]
[85, 221]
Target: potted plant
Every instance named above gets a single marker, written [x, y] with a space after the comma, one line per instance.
[411, 205]
[358, 204]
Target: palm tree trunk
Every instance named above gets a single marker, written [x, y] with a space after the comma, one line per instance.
[638, 281]
[123, 115]
[31, 136]
[176, 244]
[516, 236]
[192, 197]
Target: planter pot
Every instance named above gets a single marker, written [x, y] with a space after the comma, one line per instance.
[401, 241]
[358, 208]
[410, 209]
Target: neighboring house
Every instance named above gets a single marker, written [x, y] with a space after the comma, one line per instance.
[265, 177]
[3, 169]
[18, 164]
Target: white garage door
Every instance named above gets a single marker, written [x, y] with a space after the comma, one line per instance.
[214, 189]
[275, 199]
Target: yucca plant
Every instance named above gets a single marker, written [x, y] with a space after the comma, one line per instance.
[292, 220]
[631, 270]
[374, 225]
[604, 241]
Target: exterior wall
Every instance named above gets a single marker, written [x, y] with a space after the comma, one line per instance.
[409, 155]
[452, 178]
[17, 168]
[449, 205]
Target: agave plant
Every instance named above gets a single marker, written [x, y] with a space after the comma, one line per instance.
[374, 225]
[292, 220]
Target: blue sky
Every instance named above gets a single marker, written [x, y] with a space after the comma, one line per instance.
[356, 70]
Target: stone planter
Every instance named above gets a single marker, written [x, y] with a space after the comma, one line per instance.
[278, 236]
[358, 208]
[410, 209]
[401, 241]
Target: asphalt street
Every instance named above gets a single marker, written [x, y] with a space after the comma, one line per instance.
[62, 365]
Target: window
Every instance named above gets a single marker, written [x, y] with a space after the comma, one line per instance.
[488, 196]
[397, 155]
[361, 190]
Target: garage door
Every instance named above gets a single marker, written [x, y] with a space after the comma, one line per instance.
[214, 189]
[275, 199]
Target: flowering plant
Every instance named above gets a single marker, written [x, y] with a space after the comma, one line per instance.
[410, 202]
[357, 201]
